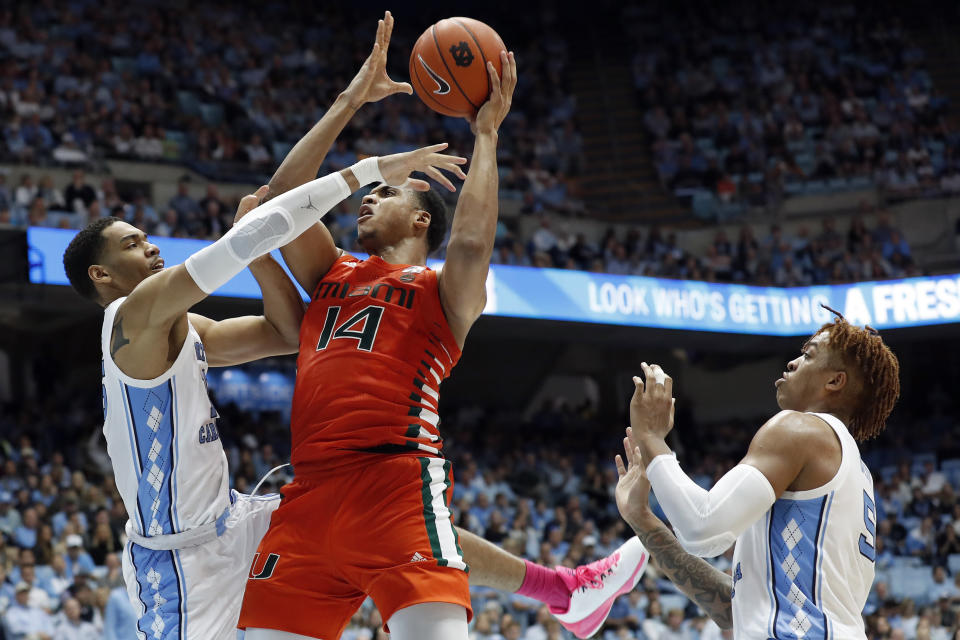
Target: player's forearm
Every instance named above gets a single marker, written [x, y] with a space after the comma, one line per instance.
[282, 305]
[475, 220]
[708, 587]
[651, 446]
[303, 161]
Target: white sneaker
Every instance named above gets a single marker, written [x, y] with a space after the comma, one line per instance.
[594, 587]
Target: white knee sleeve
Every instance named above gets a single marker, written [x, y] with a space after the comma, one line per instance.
[273, 225]
[429, 621]
[708, 522]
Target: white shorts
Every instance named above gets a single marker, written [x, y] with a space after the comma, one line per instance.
[195, 593]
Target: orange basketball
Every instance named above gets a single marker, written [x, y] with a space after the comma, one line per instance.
[448, 65]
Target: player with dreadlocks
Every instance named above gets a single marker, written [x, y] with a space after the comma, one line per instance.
[799, 505]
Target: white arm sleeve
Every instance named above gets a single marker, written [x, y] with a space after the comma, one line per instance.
[272, 225]
[708, 522]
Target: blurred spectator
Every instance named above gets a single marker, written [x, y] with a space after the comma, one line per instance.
[24, 621]
[79, 195]
[72, 627]
[78, 561]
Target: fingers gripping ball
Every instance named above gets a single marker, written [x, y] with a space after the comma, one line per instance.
[448, 65]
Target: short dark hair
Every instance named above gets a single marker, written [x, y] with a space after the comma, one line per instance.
[433, 204]
[83, 251]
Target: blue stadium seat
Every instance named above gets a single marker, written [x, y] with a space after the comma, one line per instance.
[953, 563]
[860, 182]
[816, 186]
[838, 184]
[188, 103]
[729, 211]
[123, 65]
[280, 149]
[705, 143]
[951, 468]
[910, 582]
[211, 113]
[793, 188]
[704, 205]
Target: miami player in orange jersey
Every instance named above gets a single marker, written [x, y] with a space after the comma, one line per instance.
[368, 513]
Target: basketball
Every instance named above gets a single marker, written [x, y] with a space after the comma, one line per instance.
[448, 65]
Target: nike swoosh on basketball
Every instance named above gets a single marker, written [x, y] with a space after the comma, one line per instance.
[443, 87]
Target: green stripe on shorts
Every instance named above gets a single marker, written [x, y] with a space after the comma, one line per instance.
[429, 516]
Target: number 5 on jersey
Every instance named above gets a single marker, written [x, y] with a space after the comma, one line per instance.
[361, 326]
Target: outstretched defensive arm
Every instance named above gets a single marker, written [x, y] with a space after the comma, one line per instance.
[277, 331]
[464, 276]
[707, 586]
[146, 317]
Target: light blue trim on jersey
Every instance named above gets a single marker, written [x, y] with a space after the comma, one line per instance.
[182, 583]
[795, 539]
[160, 589]
[176, 454]
[151, 409]
[769, 575]
[138, 470]
[820, 554]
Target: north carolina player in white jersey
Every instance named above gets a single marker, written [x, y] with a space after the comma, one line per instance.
[191, 539]
[799, 506]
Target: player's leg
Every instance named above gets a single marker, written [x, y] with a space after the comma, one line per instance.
[297, 582]
[426, 621]
[580, 598]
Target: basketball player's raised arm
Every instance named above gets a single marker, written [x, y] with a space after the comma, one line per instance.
[700, 581]
[247, 338]
[709, 522]
[312, 254]
[472, 234]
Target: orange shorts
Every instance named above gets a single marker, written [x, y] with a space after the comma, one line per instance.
[384, 531]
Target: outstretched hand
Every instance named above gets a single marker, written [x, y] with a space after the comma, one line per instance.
[652, 405]
[396, 168]
[372, 82]
[633, 488]
[497, 106]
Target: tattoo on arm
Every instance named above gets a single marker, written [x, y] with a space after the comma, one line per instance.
[708, 587]
[118, 338]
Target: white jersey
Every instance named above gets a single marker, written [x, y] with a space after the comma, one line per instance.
[805, 569]
[162, 438]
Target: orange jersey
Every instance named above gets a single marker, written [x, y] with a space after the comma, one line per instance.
[374, 347]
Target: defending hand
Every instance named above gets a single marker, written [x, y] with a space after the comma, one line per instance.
[651, 408]
[633, 488]
[396, 168]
